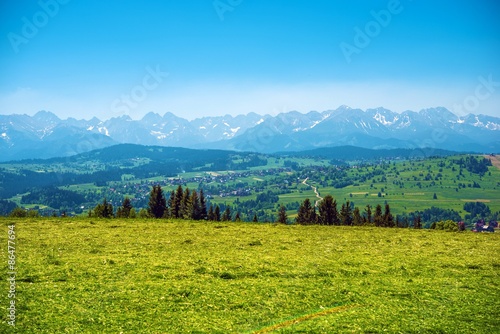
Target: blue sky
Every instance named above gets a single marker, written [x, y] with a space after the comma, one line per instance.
[204, 58]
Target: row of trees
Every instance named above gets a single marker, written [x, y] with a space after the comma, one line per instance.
[328, 214]
[191, 204]
[180, 204]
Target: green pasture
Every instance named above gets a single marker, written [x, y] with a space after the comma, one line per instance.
[157, 276]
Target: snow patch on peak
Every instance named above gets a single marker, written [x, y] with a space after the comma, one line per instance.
[492, 126]
[104, 130]
[314, 124]
[381, 119]
[478, 122]
[159, 134]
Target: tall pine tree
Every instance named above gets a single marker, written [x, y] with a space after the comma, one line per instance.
[306, 214]
[346, 214]
[388, 217]
[237, 217]
[211, 214]
[327, 211]
[170, 204]
[175, 209]
[282, 216]
[226, 216]
[195, 206]
[124, 210]
[186, 205]
[157, 202]
[217, 213]
[203, 206]
[378, 219]
[368, 215]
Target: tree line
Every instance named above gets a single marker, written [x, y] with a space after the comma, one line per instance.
[179, 204]
[184, 203]
[348, 215]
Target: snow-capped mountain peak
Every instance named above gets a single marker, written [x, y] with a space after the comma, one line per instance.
[23, 136]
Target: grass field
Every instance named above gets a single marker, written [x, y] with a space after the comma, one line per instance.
[133, 276]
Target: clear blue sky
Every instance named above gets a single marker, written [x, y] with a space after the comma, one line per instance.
[95, 58]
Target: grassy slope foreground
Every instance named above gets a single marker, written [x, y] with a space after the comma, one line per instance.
[82, 276]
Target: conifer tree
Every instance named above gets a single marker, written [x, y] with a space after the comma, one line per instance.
[170, 203]
[195, 206]
[398, 222]
[104, 209]
[124, 210]
[328, 214]
[157, 202]
[203, 205]
[378, 219]
[108, 209]
[417, 222]
[211, 214]
[368, 214]
[346, 214]
[186, 205]
[357, 220]
[237, 218]
[388, 217]
[306, 214]
[217, 213]
[282, 216]
[175, 209]
[335, 213]
[226, 216]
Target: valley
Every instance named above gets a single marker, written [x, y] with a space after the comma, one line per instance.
[252, 184]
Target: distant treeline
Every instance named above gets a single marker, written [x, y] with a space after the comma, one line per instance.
[164, 161]
[53, 197]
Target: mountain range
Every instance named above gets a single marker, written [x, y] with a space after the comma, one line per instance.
[45, 135]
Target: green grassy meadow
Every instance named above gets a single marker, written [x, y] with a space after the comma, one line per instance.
[147, 276]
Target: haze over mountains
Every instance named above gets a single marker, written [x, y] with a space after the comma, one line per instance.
[44, 135]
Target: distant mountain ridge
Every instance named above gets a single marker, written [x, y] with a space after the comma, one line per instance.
[45, 135]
